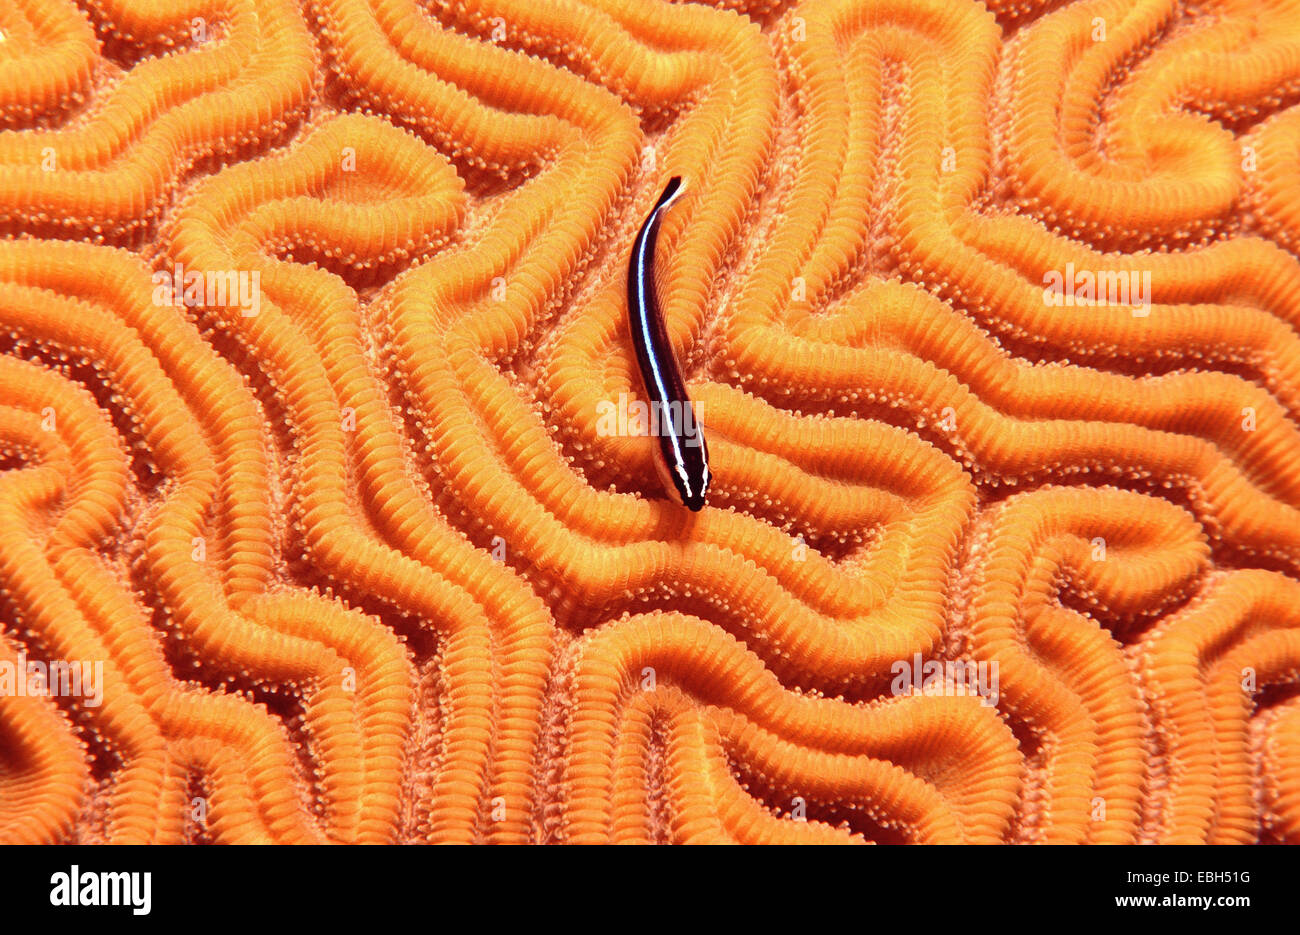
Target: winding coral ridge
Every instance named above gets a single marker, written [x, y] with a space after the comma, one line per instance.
[361, 562]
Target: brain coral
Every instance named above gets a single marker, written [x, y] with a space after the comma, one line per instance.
[307, 311]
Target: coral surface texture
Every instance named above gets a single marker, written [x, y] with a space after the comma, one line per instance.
[329, 506]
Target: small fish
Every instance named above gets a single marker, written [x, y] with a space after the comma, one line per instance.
[684, 467]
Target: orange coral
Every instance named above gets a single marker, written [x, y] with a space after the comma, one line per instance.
[309, 310]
